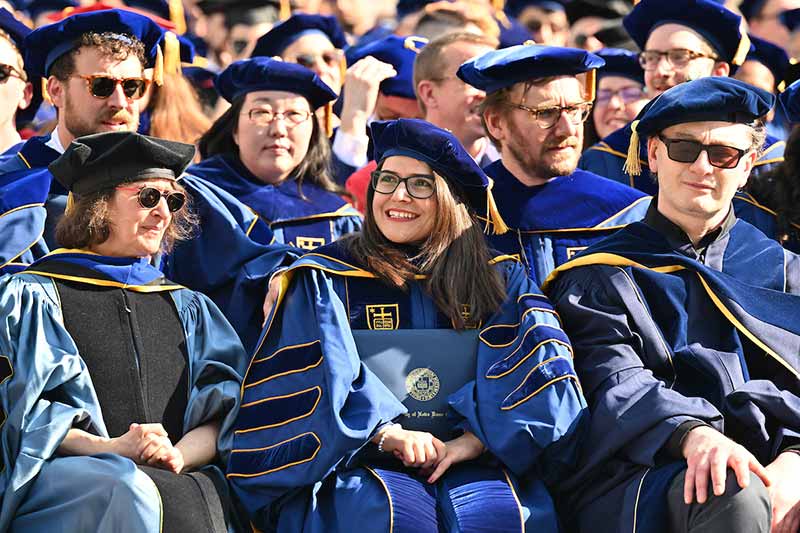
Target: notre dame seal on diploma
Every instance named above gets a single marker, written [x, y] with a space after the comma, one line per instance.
[422, 384]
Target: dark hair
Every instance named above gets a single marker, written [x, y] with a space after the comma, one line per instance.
[779, 189]
[456, 246]
[87, 222]
[315, 166]
[108, 43]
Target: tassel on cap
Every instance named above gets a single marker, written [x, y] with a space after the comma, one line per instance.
[742, 50]
[285, 11]
[177, 16]
[591, 85]
[329, 120]
[70, 203]
[496, 221]
[158, 69]
[45, 94]
[343, 68]
[172, 53]
[633, 166]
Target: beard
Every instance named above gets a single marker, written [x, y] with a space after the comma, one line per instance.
[79, 124]
[536, 163]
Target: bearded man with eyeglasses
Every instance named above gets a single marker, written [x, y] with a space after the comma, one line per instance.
[537, 99]
[685, 336]
[682, 40]
[94, 65]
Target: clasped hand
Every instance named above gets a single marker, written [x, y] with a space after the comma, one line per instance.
[418, 449]
[149, 444]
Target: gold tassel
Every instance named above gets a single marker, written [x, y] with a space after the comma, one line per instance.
[493, 214]
[501, 17]
[177, 16]
[70, 203]
[285, 10]
[343, 68]
[172, 54]
[743, 50]
[158, 69]
[45, 94]
[329, 119]
[632, 165]
[498, 5]
[591, 87]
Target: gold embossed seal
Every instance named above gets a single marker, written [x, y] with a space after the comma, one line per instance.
[422, 384]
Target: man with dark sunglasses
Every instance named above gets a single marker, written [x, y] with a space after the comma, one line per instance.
[681, 40]
[537, 100]
[94, 66]
[16, 90]
[686, 337]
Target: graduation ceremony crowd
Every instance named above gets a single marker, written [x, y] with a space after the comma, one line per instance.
[400, 266]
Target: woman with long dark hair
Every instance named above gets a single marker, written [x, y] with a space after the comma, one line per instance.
[271, 153]
[408, 378]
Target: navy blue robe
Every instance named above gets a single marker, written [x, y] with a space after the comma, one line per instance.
[306, 223]
[550, 223]
[662, 339]
[310, 405]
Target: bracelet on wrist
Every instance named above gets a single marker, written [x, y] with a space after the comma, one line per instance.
[383, 436]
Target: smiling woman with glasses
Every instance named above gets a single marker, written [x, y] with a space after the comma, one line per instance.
[406, 400]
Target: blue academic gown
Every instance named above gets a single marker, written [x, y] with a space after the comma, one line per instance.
[46, 395]
[550, 223]
[662, 339]
[310, 406]
[34, 156]
[22, 219]
[306, 223]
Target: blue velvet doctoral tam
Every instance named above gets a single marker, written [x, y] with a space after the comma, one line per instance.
[310, 408]
[45, 396]
[319, 218]
[550, 223]
[662, 339]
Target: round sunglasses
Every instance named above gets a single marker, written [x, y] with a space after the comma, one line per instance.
[102, 86]
[150, 196]
[687, 151]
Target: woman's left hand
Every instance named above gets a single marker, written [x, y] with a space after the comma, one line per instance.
[464, 448]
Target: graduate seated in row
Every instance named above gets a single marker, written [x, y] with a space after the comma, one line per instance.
[537, 100]
[271, 153]
[686, 338]
[119, 386]
[409, 379]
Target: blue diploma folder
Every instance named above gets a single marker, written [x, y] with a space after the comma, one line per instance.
[422, 368]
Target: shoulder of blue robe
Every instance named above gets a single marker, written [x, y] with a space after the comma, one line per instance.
[34, 422]
[525, 403]
[581, 201]
[747, 208]
[82, 266]
[752, 300]
[22, 218]
[33, 154]
[217, 363]
[308, 403]
[231, 258]
[772, 152]
[276, 204]
[12, 151]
